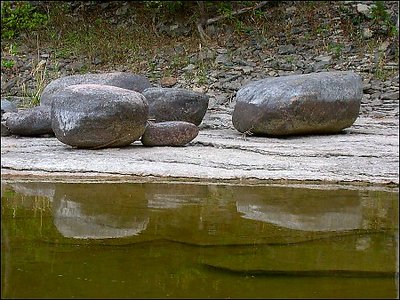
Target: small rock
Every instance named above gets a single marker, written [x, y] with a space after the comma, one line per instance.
[97, 60]
[199, 89]
[247, 69]
[390, 96]
[75, 66]
[222, 59]
[287, 49]
[168, 81]
[189, 68]
[121, 11]
[320, 65]
[291, 9]
[364, 9]
[7, 106]
[383, 47]
[326, 58]
[4, 129]
[173, 133]
[222, 51]
[367, 33]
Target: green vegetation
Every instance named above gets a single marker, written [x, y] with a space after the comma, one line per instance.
[7, 63]
[18, 17]
[335, 49]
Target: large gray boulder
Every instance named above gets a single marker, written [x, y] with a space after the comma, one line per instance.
[33, 121]
[176, 104]
[325, 102]
[170, 133]
[98, 116]
[123, 80]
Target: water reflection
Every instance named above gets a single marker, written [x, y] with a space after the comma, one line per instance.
[164, 196]
[35, 189]
[203, 241]
[99, 212]
[71, 222]
[311, 212]
[105, 211]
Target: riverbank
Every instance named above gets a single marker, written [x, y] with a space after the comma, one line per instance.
[294, 38]
[367, 153]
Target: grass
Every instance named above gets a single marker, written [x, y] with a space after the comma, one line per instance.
[7, 63]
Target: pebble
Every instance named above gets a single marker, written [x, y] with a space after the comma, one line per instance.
[168, 81]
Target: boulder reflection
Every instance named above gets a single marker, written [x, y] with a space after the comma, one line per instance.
[305, 210]
[170, 196]
[100, 211]
[35, 189]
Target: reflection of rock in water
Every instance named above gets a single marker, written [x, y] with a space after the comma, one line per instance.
[174, 195]
[99, 211]
[170, 201]
[315, 212]
[70, 221]
[35, 189]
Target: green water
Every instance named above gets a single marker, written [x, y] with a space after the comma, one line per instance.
[180, 240]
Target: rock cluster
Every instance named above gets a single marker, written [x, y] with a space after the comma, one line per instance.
[98, 115]
[103, 110]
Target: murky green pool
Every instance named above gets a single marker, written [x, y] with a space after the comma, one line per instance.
[176, 240]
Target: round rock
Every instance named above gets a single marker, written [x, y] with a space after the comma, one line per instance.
[123, 80]
[325, 102]
[176, 104]
[33, 121]
[172, 133]
[98, 116]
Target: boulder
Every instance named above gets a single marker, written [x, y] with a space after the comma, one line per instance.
[176, 104]
[4, 130]
[98, 116]
[172, 133]
[7, 106]
[316, 103]
[123, 80]
[33, 121]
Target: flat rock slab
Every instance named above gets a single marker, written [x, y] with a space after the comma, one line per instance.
[367, 152]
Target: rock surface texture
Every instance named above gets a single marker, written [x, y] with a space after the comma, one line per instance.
[98, 116]
[30, 122]
[367, 152]
[123, 80]
[176, 104]
[172, 133]
[7, 106]
[325, 102]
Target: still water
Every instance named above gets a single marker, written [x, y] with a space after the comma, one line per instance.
[159, 240]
